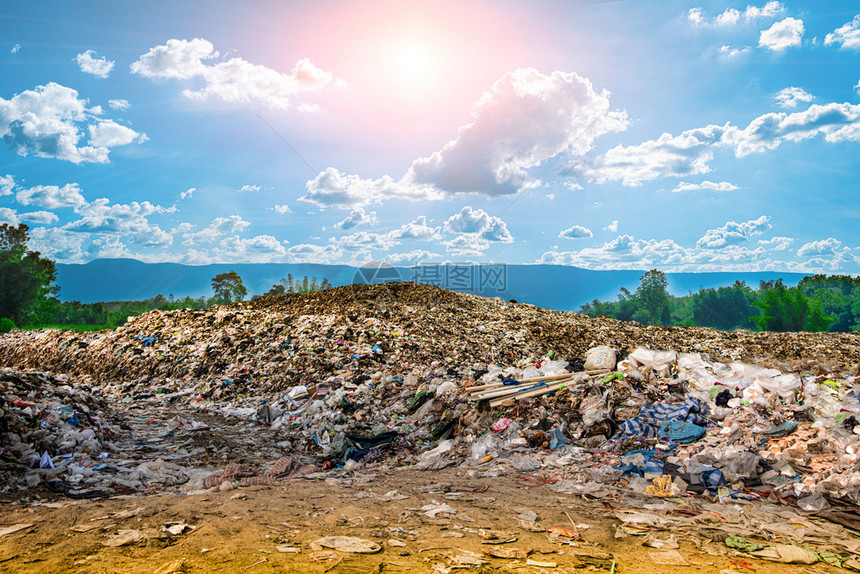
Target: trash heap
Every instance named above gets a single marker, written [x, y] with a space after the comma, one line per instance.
[411, 376]
[49, 427]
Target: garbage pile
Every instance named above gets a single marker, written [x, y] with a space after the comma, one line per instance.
[410, 376]
[50, 427]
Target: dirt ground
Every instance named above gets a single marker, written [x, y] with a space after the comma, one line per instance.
[241, 530]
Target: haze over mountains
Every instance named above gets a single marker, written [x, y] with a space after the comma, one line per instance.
[558, 287]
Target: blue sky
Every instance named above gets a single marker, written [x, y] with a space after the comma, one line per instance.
[607, 135]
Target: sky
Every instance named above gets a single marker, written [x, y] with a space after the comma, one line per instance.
[709, 136]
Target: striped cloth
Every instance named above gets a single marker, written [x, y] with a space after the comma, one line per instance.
[647, 423]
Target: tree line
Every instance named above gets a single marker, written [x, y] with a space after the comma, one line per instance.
[817, 303]
[28, 295]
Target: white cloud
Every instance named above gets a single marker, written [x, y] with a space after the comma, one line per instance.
[45, 122]
[576, 232]
[7, 184]
[333, 188]
[122, 219]
[39, 217]
[108, 247]
[357, 217]
[232, 81]
[733, 16]
[822, 247]
[365, 241]
[525, 119]
[99, 67]
[790, 97]
[694, 15]
[417, 230]
[729, 52]
[52, 196]
[187, 193]
[15, 49]
[219, 227]
[837, 122]
[550, 196]
[466, 246]
[627, 252]
[683, 155]
[847, 35]
[108, 133]
[623, 252]
[769, 10]
[612, 227]
[9, 216]
[777, 243]
[249, 188]
[121, 105]
[728, 18]
[258, 249]
[478, 224]
[782, 35]
[58, 244]
[310, 253]
[733, 233]
[281, 208]
[412, 257]
[690, 153]
[707, 185]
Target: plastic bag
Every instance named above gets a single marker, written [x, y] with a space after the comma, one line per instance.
[487, 444]
[599, 358]
[593, 409]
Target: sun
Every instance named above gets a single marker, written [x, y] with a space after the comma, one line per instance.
[414, 65]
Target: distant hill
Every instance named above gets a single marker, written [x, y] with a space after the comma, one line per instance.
[552, 286]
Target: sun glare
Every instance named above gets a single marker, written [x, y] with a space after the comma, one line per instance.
[414, 65]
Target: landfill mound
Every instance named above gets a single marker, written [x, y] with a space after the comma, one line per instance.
[371, 377]
[276, 342]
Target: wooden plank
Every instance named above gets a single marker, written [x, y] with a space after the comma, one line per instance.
[512, 390]
[532, 393]
[522, 381]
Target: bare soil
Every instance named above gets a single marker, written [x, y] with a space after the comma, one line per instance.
[240, 530]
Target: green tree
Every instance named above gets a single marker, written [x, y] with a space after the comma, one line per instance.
[788, 309]
[276, 290]
[653, 297]
[26, 278]
[228, 287]
[724, 308]
[623, 309]
[837, 296]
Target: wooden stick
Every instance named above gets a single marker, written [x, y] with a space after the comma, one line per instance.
[512, 390]
[483, 387]
[490, 393]
[529, 394]
[529, 380]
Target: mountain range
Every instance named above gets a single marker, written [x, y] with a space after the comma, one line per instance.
[558, 287]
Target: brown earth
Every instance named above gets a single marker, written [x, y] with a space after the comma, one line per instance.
[240, 530]
[272, 344]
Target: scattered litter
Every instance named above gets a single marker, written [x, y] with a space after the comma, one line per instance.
[667, 558]
[349, 544]
[6, 530]
[124, 538]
